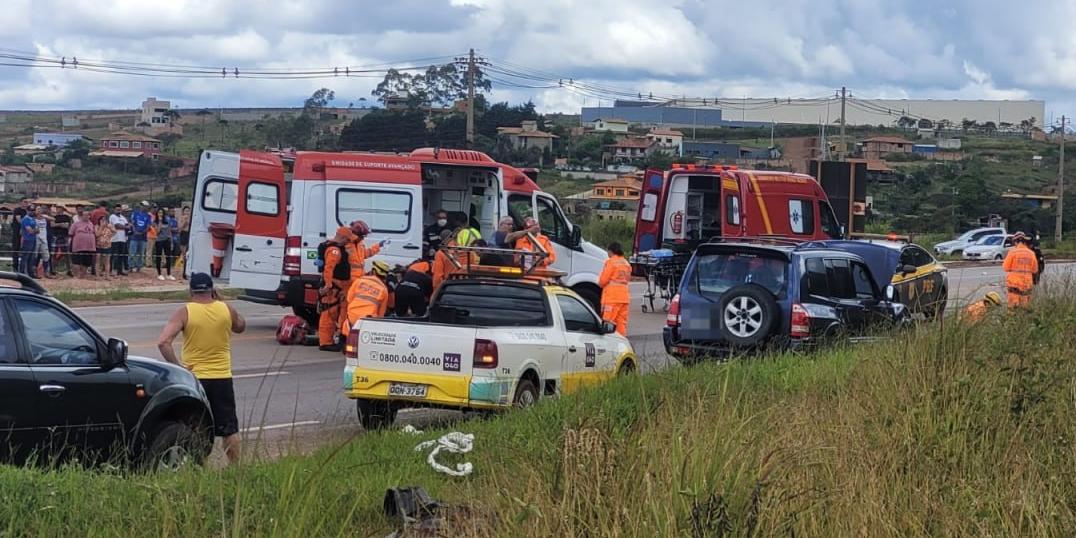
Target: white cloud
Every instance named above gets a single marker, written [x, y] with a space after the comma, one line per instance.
[781, 48]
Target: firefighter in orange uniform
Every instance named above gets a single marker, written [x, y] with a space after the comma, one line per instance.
[1020, 267]
[442, 266]
[616, 299]
[975, 312]
[359, 251]
[336, 279]
[524, 243]
[368, 297]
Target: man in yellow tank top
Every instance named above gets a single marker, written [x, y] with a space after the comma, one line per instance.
[207, 323]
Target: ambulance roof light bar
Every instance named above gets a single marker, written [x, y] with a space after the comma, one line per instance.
[703, 167]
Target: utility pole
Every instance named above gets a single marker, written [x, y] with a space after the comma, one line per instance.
[1060, 185]
[844, 97]
[470, 99]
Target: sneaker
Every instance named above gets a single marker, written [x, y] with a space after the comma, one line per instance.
[160, 277]
[170, 277]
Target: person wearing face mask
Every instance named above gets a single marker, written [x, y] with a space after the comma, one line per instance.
[432, 233]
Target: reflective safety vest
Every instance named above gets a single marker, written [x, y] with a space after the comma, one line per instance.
[367, 297]
[614, 281]
[1020, 267]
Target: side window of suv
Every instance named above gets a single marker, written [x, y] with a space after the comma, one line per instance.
[8, 352]
[815, 280]
[919, 256]
[839, 275]
[54, 337]
[861, 278]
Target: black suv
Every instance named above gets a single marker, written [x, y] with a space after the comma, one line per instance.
[68, 393]
[738, 296]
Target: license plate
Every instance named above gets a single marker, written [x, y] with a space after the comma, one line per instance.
[407, 390]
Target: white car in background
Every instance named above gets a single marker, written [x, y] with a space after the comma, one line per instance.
[991, 247]
[968, 238]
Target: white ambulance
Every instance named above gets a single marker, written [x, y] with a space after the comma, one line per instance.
[257, 221]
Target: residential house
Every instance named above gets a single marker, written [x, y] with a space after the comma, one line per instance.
[667, 140]
[631, 149]
[32, 149]
[155, 112]
[11, 176]
[41, 168]
[528, 136]
[59, 140]
[123, 144]
[610, 125]
[880, 146]
[613, 199]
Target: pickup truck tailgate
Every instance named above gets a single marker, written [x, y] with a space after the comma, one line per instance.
[393, 354]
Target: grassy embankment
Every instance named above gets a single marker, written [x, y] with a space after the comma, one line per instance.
[942, 431]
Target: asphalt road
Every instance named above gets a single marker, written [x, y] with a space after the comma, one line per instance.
[287, 392]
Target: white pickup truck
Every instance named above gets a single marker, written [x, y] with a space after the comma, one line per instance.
[487, 343]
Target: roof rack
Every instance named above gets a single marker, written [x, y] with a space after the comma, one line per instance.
[775, 239]
[535, 257]
[27, 283]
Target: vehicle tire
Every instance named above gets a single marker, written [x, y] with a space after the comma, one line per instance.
[309, 315]
[375, 414]
[591, 296]
[175, 445]
[626, 368]
[526, 394]
[998, 258]
[748, 314]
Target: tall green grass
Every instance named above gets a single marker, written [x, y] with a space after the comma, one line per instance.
[943, 430]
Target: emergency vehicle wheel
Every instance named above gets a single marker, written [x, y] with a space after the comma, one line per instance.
[526, 394]
[748, 312]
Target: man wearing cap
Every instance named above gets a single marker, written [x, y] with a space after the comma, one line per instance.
[140, 222]
[1020, 267]
[524, 243]
[367, 297]
[336, 280]
[207, 324]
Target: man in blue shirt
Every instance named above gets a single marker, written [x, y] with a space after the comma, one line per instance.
[140, 222]
[28, 246]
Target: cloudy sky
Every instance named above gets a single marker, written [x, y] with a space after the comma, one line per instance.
[972, 49]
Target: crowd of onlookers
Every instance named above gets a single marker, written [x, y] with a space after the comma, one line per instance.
[97, 242]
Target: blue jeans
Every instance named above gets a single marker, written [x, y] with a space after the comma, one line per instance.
[137, 253]
[28, 259]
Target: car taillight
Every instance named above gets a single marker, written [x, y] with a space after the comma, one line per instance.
[293, 253]
[673, 318]
[801, 322]
[485, 354]
[351, 347]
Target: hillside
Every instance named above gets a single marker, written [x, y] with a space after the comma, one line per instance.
[946, 430]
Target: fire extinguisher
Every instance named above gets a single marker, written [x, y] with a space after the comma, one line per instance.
[678, 222]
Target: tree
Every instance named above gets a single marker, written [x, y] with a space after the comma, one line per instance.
[439, 85]
[76, 149]
[173, 116]
[944, 124]
[905, 122]
[966, 124]
[204, 113]
[315, 106]
[990, 127]
[926, 124]
[168, 140]
[223, 129]
[384, 130]
[1026, 125]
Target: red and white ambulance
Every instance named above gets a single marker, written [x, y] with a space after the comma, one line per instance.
[257, 221]
[691, 204]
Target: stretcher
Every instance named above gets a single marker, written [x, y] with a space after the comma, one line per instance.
[662, 269]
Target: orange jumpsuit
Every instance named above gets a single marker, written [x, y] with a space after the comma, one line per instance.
[443, 266]
[524, 243]
[357, 257]
[1020, 267]
[616, 299]
[331, 300]
[975, 312]
[366, 298]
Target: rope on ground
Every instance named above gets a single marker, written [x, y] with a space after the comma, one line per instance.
[456, 443]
